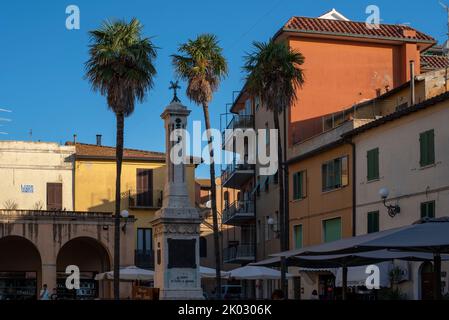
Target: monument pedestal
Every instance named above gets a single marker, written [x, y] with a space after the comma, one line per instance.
[177, 260]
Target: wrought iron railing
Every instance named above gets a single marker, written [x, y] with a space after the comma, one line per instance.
[240, 207]
[240, 252]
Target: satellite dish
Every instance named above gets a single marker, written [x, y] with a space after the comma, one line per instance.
[209, 204]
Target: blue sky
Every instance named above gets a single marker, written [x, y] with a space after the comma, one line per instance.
[42, 63]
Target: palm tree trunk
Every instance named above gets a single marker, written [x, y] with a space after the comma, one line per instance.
[213, 205]
[281, 200]
[119, 158]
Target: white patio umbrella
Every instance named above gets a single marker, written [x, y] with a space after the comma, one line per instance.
[251, 272]
[206, 273]
[131, 273]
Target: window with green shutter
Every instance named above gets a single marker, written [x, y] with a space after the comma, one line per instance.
[427, 148]
[297, 232]
[373, 221]
[428, 209]
[332, 229]
[299, 185]
[373, 164]
[334, 174]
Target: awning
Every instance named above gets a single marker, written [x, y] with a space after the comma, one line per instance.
[357, 275]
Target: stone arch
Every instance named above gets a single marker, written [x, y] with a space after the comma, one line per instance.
[20, 268]
[91, 256]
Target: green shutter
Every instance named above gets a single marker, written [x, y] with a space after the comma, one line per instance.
[373, 222]
[428, 209]
[295, 186]
[427, 148]
[373, 164]
[300, 187]
[298, 236]
[332, 230]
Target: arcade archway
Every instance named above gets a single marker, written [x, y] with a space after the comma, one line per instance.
[20, 269]
[91, 257]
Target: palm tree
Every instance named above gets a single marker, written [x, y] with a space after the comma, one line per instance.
[274, 74]
[121, 68]
[200, 62]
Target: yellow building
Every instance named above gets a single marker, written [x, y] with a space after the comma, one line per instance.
[142, 184]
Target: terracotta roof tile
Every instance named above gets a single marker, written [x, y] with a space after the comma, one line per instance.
[91, 150]
[352, 28]
[433, 62]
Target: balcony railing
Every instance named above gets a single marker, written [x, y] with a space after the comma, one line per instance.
[144, 259]
[239, 122]
[236, 174]
[238, 212]
[144, 200]
[241, 253]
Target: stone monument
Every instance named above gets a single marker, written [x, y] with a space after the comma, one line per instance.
[176, 226]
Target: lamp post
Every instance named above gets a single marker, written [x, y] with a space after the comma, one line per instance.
[393, 210]
[124, 214]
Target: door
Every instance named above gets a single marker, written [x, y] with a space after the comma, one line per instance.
[54, 196]
[427, 281]
[144, 187]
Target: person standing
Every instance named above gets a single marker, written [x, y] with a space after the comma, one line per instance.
[44, 294]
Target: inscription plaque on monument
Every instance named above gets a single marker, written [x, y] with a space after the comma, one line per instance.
[181, 253]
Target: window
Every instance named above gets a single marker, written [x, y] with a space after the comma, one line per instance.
[299, 185]
[428, 209]
[226, 199]
[297, 233]
[372, 157]
[145, 240]
[373, 222]
[203, 247]
[144, 186]
[427, 148]
[335, 173]
[258, 231]
[332, 229]
[54, 196]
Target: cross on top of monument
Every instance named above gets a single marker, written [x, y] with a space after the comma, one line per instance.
[174, 86]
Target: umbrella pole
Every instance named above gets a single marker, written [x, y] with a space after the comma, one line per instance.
[284, 277]
[437, 274]
[344, 281]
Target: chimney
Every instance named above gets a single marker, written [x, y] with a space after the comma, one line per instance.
[98, 139]
[74, 138]
[412, 82]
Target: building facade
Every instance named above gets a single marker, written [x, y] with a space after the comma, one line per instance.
[36, 176]
[406, 153]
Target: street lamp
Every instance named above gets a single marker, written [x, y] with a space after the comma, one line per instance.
[124, 214]
[393, 210]
[270, 222]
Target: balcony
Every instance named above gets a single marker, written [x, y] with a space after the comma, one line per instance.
[235, 175]
[238, 122]
[144, 259]
[151, 199]
[242, 253]
[239, 212]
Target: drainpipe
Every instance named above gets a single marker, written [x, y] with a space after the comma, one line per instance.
[354, 189]
[412, 82]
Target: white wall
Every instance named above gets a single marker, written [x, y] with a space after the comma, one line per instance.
[400, 171]
[35, 164]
